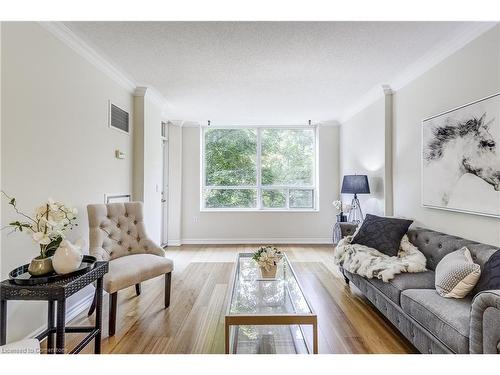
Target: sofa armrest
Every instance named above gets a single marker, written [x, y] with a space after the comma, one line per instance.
[485, 323]
[347, 229]
[343, 229]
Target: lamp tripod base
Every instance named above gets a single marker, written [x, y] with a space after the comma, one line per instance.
[355, 215]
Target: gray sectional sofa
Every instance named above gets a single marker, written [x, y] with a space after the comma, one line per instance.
[434, 324]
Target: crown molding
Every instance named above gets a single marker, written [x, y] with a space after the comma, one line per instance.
[198, 124]
[176, 123]
[68, 37]
[419, 67]
[156, 97]
[367, 99]
[153, 94]
[324, 124]
[190, 124]
[140, 91]
[387, 90]
[437, 55]
[203, 124]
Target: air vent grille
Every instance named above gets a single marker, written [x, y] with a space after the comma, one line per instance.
[119, 119]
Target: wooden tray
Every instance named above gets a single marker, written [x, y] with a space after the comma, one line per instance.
[20, 275]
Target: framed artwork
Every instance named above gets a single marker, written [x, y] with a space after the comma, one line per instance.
[121, 198]
[461, 158]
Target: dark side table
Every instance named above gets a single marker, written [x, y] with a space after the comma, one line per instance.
[58, 292]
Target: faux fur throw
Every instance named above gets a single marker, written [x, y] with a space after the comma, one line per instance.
[368, 262]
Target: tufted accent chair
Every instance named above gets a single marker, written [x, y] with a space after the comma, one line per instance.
[118, 235]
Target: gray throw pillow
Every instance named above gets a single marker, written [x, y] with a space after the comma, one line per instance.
[382, 233]
[457, 274]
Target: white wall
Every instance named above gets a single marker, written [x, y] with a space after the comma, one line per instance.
[55, 143]
[470, 74]
[362, 147]
[233, 227]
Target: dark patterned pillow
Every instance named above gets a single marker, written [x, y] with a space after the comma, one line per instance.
[490, 274]
[382, 233]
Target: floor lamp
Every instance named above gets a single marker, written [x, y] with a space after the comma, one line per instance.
[355, 184]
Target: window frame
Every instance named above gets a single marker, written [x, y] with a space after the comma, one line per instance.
[258, 186]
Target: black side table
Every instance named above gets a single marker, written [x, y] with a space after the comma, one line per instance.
[58, 292]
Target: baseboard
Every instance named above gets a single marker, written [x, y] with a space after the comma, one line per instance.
[174, 243]
[71, 313]
[257, 241]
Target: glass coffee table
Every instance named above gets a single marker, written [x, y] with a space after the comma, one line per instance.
[268, 316]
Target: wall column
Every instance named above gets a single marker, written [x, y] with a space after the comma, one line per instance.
[388, 180]
[148, 158]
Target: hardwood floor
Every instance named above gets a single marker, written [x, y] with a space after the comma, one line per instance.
[194, 323]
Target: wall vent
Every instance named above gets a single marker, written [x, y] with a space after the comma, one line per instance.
[118, 118]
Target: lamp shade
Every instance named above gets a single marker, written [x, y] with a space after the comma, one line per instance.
[355, 184]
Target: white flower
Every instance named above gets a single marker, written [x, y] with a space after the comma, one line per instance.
[268, 257]
[338, 205]
[53, 206]
[40, 211]
[41, 238]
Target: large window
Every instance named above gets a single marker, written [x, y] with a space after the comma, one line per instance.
[259, 169]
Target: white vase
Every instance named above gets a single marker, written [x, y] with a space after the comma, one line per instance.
[67, 258]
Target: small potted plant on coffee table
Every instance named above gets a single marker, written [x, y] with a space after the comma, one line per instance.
[267, 257]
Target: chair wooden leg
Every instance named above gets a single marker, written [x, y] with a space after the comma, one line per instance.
[92, 306]
[168, 279]
[112, 313]
[138, 289]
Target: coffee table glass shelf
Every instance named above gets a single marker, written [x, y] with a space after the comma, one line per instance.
[268, 315]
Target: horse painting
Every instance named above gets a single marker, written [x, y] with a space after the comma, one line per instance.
[458, 148]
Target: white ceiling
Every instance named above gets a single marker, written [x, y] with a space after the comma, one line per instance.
[265, 72]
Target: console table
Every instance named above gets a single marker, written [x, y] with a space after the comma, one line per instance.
[58, 292]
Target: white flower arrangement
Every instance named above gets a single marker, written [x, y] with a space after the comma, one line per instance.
[47, 226]
[267, 257]
[338, 205]
[341, 207]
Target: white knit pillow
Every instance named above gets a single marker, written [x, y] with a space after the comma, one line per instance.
[457, 274]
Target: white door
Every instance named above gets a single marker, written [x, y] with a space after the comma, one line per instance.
[164, 195]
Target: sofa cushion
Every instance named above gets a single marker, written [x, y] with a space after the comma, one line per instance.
[446, 318]
[457, 274]
[382, 233]
[403, 281]
[133, 269]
